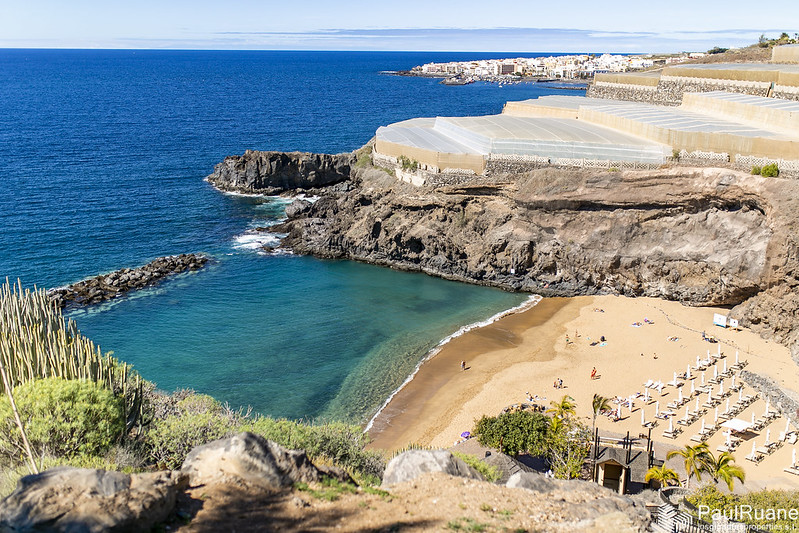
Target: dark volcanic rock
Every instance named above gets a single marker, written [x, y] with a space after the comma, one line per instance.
[107, 286]
[275, 172]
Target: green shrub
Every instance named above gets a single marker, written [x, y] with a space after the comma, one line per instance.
[408, 164]
[62, 418]
[199, 419]
[339, 443]
[770, 171]
[514, 432]
[489, 472]
[756, 170]
[759, 501]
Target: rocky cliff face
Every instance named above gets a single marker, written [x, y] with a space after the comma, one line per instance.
[275, 172]
[701, 236]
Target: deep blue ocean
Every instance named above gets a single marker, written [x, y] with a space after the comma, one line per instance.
[102, 160]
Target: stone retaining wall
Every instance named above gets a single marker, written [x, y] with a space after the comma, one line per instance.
[670, 89]
[779, 399]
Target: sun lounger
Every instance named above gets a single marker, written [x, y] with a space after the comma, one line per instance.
[754, 458]
[792, 470]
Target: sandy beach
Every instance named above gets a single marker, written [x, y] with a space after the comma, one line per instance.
[527, 351]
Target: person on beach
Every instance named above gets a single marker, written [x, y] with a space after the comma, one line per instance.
[593, 373]
[463, 365]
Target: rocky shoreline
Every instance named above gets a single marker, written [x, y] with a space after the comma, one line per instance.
[701, 236]
[105, 287]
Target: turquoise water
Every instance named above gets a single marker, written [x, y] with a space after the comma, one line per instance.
[102, 160]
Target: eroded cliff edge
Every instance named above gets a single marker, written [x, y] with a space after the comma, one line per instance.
[700, 236]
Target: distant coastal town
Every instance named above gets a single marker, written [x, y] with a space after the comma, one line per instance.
[550, 68]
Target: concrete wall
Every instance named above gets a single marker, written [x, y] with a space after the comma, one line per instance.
[768, 118]
[650, 80]
[441, 160]
[692, 141]
[520, 109]
[788, 53]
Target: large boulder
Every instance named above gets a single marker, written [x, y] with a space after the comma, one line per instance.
[252, 459]
[586, 505]
[82, 500]
[412, 464]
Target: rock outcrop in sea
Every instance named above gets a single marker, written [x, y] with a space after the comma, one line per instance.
[114, 284]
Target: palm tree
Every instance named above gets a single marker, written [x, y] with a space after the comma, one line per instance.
[664, 475]
[599, 404]
[695, 459]
[562, 408]
[724, 468]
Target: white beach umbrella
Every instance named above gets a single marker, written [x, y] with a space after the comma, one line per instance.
[718, 349]
[728, 440]
[768, 437]
[709, 396]
[708, 357]
[727, 410]
[787, 425]
[697, 404]
[693, 389]
[715, 371]
[793, 457]
[732, 385]
[698, 363]
[721, 388]
[703, 426]
[646, 395]
[741, 394]
[674, 379]
[657, 409]
[671, 426]
[688, 372]
[643, 420]
[630, 403]
[687, 415]
[716, 416]
[753, 418]
[724, 370]
[767, 404]
[680, 399]
[703, 378]
[754, 446]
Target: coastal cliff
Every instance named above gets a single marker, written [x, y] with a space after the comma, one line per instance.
[276, 172]
[700, 236]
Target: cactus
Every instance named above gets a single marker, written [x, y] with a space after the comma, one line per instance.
[37, 342]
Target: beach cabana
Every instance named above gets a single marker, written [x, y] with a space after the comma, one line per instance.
[736, 424]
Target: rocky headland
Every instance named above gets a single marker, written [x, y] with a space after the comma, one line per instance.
[274, 172]
[105, 287]
[701, 236]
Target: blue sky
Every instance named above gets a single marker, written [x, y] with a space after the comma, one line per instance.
[444, 25]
